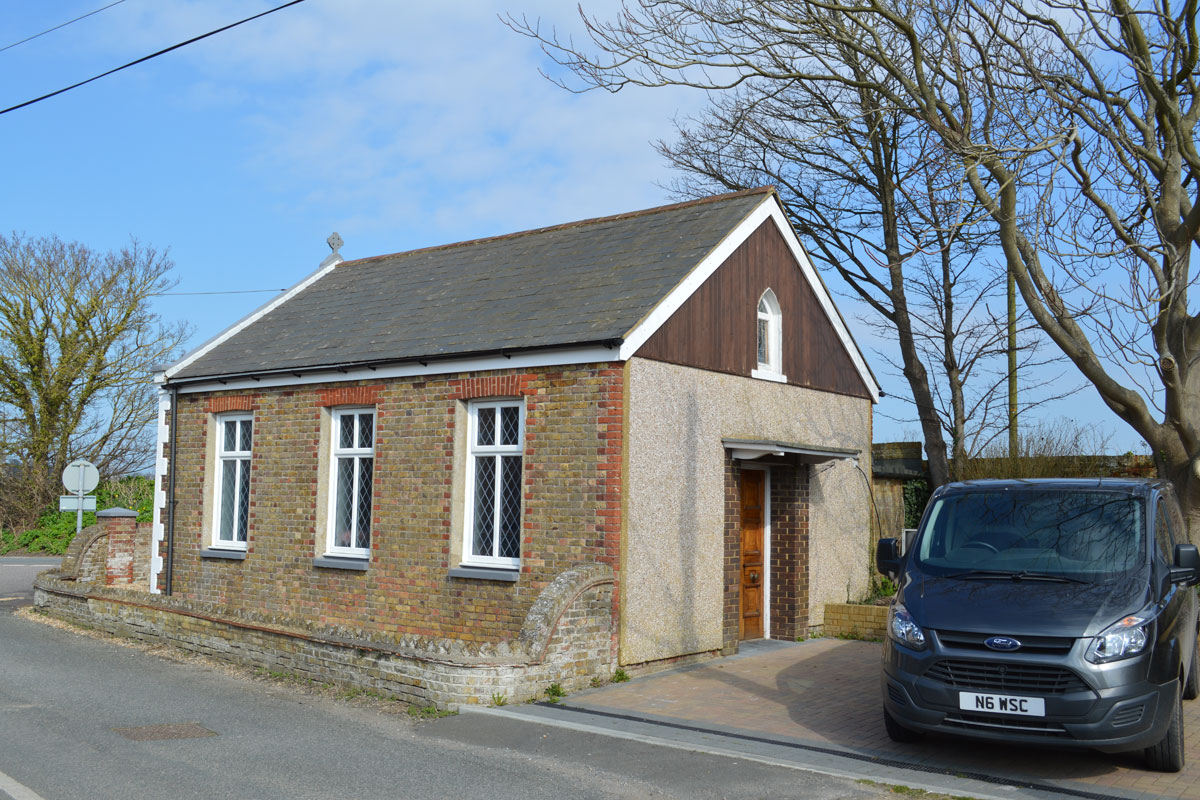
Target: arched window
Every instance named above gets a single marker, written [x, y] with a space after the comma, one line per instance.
[770, 338]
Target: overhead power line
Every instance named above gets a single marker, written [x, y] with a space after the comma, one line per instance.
[56, 27]
[147, 58]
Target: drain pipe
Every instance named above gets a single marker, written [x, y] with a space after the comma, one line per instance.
[170, 566]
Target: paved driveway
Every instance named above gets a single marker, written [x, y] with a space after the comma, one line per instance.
[825, 692]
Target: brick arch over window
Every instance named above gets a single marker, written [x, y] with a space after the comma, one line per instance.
[716, 328]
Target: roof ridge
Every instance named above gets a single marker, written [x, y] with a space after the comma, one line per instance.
[765, 190]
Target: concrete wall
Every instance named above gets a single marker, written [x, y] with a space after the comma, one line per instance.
[672, 583]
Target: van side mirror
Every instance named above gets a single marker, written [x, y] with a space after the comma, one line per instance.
[1186, 569]
[887, 557]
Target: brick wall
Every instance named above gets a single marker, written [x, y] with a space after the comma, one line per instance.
[855, 621]
[121, 529]
[572, 474]
[789, 551]
[566, 639]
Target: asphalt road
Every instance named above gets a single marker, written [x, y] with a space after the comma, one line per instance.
[68, 702]
[16, 578]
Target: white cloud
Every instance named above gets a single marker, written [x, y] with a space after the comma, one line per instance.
[397, 111]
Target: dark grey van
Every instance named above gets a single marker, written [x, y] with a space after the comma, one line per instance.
[1045, 612]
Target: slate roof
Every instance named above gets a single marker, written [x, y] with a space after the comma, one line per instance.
[582, 283]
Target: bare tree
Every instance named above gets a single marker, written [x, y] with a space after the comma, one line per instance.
[77, 341]
[869, 192]
[1073, 124]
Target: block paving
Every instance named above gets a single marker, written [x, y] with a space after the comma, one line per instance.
[825, 692]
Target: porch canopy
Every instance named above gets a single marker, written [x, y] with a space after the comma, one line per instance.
[750, 449]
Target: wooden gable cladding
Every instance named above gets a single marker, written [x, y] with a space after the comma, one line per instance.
[717, 328]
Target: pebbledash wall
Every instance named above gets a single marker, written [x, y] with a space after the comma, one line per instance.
[676, 590]
[403, 625]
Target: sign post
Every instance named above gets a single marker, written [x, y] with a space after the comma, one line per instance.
[79, 478]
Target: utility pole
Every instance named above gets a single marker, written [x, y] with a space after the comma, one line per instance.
[1012, 365]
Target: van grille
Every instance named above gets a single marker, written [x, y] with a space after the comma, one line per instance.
[1048, 645]
[991, 676]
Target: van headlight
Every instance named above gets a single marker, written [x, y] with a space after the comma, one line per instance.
[904, 629]
[1124, 639]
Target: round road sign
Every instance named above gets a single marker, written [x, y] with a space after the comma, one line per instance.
[80, 477]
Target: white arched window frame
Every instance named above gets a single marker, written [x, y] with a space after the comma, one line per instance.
[770, 339]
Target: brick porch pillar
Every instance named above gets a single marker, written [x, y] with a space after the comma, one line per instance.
[120, 525]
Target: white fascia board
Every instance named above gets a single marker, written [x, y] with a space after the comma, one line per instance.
[250, 318]
[768, 209]
[822, 294]
[314, 375]
[666, 307]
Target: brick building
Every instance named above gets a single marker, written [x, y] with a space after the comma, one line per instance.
[469, 470]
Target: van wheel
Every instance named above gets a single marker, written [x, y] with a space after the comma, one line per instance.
[897, 732]
[1191, 689]
[1167, 755]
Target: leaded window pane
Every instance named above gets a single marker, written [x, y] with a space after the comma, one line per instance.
[366, 431]
[243, 504]
[362, 537]
[230, 435]
[346, 431]
[228, 488]
[763, 328]
[485, 502]
[343, 513]
[510, 424]
[487, 427]
[510, 507]
[246, 435]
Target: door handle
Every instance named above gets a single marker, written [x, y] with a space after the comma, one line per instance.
[754, 577]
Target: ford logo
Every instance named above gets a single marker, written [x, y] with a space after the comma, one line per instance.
[1003, 643]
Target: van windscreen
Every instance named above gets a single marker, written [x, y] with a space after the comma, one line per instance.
[1071, 533]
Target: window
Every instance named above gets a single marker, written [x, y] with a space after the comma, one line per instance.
[770, 338]
[493, 520]
[352, 478]
[234, 440]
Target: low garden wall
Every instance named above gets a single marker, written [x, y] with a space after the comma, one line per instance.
[566, 638]
[855, 621]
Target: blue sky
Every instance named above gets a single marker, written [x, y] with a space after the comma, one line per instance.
[399, 125]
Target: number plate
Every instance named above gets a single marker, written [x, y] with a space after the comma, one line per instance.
[1002, 704]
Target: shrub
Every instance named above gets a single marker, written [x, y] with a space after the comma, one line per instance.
[55, 529]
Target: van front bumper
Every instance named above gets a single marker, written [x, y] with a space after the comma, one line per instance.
[1110, 707]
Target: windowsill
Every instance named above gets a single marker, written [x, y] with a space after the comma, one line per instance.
[342, 562]
[226, 553]
[766, 375]
[508, 574]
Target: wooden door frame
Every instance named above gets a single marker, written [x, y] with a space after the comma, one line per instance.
[766, 544]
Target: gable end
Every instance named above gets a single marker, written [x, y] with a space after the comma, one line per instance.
[716, 327]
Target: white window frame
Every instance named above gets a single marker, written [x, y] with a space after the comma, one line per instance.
[474, 452]
[772, 368]
[337, 452]
[240, 460]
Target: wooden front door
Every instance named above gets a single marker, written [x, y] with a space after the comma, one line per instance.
[753, 564]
